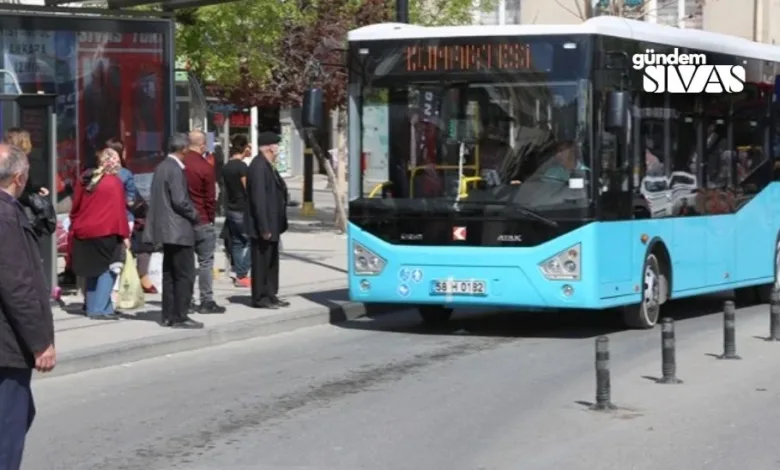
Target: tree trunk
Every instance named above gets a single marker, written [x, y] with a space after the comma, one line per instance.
[321, 155]
[341, 169]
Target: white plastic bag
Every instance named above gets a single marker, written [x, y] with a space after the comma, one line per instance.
[155, 270]
[131, 293]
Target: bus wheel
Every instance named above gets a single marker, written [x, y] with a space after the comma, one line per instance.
[434, 315]
[645, 314]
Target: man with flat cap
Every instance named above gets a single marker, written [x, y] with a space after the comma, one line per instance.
[265, 221]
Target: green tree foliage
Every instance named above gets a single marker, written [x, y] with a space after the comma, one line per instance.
[446, 12]
[268, 51]
[221, 42]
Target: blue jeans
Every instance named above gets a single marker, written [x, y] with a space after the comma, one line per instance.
[98, 298]
[239, 243]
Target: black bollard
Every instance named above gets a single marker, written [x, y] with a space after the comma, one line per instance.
[668, 353]
[729, 336]
[774, 316]
[603, 385]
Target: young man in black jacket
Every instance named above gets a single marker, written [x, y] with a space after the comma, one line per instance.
[26, 323]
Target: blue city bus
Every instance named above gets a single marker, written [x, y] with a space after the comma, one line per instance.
[524, 167]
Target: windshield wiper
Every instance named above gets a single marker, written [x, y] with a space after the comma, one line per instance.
[518, 208]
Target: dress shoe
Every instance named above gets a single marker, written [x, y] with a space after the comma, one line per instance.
[210, 307]
[110, 316]
[280, 303]
[187, 324]
[269, 304]
[167, 322]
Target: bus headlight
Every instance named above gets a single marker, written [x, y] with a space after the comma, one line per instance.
[563, 265]
[365, 262]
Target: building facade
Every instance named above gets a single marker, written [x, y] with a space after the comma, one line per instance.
[756, 20]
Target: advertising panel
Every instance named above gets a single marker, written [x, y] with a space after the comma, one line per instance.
[112, 78]
[120, 82]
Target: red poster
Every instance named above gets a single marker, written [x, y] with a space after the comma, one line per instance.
[120, 84]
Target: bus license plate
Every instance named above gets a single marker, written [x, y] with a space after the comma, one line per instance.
[454, 287]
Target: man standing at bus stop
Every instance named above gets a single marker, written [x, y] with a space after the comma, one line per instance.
[265, 221]
[202, 183]
[26, 323]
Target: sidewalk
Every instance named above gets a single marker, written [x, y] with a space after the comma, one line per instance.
[313, 279]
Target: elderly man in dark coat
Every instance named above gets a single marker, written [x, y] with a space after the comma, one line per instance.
[26, 323]
[265, 221]
[171, 222]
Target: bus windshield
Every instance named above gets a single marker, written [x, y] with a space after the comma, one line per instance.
[495, 137]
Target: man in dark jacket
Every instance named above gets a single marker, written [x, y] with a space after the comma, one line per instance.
[26, 323]
[265, 220]
[170, 222]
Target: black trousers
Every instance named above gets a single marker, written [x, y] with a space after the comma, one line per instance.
[265, 270]
[178, 280]
[17, 411]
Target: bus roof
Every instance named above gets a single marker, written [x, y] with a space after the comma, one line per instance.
[603, 25]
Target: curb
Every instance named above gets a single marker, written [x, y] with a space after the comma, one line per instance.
[147, 348]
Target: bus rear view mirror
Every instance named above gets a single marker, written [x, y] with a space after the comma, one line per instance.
[311, 114]
[616, 111]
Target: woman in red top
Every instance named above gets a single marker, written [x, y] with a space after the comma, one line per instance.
[100, 233]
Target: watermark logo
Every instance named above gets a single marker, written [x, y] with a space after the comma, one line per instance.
[687, 73]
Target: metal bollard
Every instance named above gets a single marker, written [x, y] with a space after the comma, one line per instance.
[729, 337]
[603, 384]
[668, 354]
[774, 316]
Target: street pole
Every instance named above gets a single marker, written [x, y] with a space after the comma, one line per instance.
[307, 206]
[307, 199]
[402, 11]
[253, 123]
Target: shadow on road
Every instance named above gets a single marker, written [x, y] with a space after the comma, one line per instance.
[312, 260]
[562, 324]
[335, 300]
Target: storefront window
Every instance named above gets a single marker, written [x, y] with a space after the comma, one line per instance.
[112, 78]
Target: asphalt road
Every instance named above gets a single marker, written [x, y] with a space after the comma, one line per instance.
[505, 391]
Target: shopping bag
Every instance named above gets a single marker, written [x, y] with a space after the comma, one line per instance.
[131, 293]
[155, 270]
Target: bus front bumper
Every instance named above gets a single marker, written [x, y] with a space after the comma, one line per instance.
[380, 272]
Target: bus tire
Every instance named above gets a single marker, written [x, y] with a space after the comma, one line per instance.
[646, 313]
[434, 315]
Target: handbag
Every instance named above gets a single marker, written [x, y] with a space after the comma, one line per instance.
[41, 214]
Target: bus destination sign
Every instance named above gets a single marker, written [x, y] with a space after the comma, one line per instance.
[466, 58]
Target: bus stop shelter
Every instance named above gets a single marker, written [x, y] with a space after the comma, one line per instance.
[35, 113]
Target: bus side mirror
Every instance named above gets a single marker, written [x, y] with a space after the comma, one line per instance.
[616, 111]
[311, 114]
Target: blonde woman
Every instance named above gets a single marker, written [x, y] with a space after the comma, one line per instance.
[100, 233]
[20, 139]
